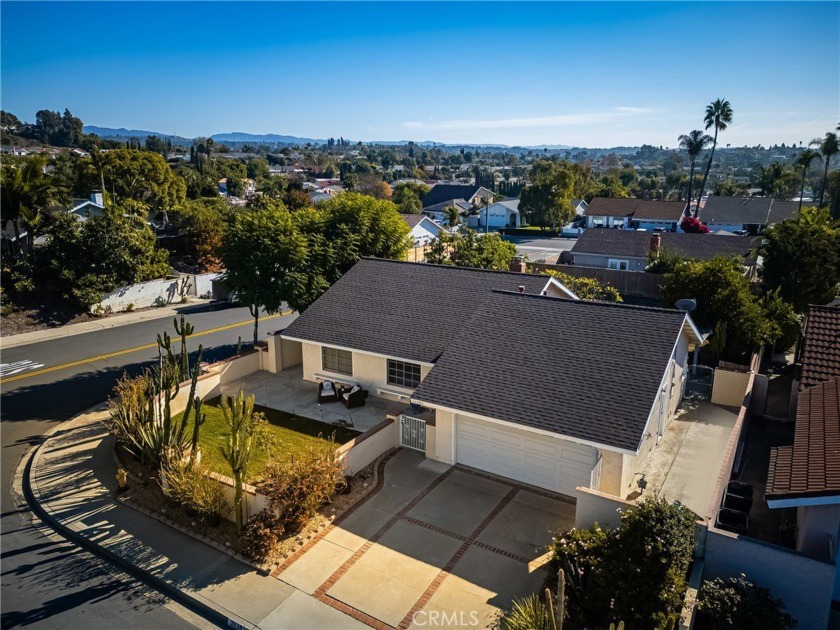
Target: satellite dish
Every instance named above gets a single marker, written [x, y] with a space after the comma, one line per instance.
[686, 304]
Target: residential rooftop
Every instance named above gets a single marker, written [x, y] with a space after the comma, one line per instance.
[639, 209]
[736, 210]
[633, 244]
[811, 467]
[504, 361]
[820, 358]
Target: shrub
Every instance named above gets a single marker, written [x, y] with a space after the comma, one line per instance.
[738, 603]
[191, 488]
[636, 572]
[261, 535]
[528, 613]
[587, 288]
[128, 408]
[301, 484]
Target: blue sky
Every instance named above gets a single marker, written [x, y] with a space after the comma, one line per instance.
[584, 74]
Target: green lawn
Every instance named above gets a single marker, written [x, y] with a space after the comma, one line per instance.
[290, 434]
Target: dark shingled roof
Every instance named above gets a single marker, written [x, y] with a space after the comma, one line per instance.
[781, 210]
[736, 210]
[611, 359]
[400, 309]
[413, 220]
[633, 244]
[447, 192]
[811, 467]
[637, 208]
[821, 347]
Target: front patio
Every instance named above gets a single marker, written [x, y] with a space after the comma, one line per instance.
[287, 391]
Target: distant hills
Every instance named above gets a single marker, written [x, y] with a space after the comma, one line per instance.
[240, 137]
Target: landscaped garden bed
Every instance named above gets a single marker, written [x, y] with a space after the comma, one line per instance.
[278, 477]
[282, 435]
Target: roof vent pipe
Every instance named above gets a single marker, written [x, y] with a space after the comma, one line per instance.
[521, 288]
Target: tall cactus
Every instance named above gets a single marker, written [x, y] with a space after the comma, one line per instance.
[184, 330]
[238, 413]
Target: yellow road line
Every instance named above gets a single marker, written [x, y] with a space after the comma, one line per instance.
[117, 353]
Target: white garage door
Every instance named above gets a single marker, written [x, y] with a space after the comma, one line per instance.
[543, 461]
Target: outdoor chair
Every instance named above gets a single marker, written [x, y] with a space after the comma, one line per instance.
[353, 396]
[732, 520]
[327, 392]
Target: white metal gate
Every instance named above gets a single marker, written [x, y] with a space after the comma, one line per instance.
[413, 433]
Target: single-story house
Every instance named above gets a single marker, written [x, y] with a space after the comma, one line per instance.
[478, 351]
[501, 214]
[629, 250]
[423, 229]
[85, 209]
[735, 214]
[806, 475]
[438, 211]
[579, 206]
[644, 214]
[442, 193]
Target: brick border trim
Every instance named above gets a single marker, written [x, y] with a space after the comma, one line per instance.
[455, 559]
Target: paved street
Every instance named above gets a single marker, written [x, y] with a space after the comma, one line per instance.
[54, 583]
[537, 248]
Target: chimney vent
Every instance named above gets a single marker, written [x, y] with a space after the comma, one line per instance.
[522, 288]
[518, 265]
[655, 242]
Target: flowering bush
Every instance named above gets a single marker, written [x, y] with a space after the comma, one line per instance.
[636, 573]
[692, 225]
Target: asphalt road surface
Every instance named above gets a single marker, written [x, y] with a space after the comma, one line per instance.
[48, 582]
[537, 248]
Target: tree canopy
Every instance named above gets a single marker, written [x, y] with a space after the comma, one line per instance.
[468, 249]
[547, 202]
[802, 258]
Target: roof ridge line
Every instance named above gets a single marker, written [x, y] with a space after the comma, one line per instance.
[597, 302]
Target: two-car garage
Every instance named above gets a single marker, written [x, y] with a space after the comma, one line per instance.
[536, 459]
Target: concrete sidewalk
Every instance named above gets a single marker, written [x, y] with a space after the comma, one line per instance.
[112, 321]
[72, 479]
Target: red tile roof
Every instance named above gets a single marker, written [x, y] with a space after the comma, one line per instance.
[811, 467]
[821, 348]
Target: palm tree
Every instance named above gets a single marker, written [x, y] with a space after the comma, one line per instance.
[804, 160]
[829, 147]
[719, 116]
[26, 192]
[694, 143]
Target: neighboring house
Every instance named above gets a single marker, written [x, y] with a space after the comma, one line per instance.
[806, 475]
[634, 213]
[423, 229]
[317, 196]
[736, 214]
[579, 206]
[502, 214]
[87, 208]
[443, 193]
[781, 210]
[479, 351]
[819, 349]
[438, 213]
[629, 250]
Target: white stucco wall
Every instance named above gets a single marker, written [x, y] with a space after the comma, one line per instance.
[602, 261]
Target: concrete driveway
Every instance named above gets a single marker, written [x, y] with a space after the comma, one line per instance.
[432, 546]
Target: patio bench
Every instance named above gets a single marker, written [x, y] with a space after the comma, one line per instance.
[401, 395]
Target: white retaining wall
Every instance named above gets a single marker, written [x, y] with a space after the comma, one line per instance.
[157, 292]
[364, 449]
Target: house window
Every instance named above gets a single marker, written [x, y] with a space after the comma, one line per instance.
[403, 374]
[335, 360]
[614, 263]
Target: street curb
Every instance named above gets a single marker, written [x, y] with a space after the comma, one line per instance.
[106, 323]
[193, 602]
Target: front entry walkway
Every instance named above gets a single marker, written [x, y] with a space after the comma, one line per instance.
[287, 391]
[432, 546]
